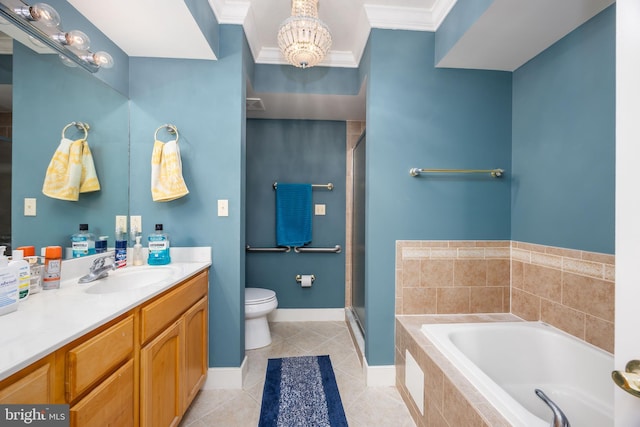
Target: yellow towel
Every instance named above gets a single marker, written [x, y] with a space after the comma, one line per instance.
[71, 171]
[166, 172]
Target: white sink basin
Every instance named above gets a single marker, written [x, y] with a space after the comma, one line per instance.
[131, 278]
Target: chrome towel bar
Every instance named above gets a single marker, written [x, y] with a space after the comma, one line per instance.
[328, 186]
[496, 173]
[336, 249]
[277, 249]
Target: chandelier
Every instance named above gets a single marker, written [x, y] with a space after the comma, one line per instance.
[303, 38]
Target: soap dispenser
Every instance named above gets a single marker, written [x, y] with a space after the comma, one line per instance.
[8, 285]
[138, 259]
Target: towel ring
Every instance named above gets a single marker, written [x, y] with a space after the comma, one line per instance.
[172, 129]
[80, 125]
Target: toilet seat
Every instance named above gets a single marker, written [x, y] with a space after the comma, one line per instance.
[254, 296]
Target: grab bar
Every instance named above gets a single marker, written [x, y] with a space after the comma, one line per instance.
[328, 186]
[496, 173]
[336, 249]
[559, 418]
[278, 249]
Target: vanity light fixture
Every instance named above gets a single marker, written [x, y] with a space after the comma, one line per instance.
[42, 22]
[303, 38]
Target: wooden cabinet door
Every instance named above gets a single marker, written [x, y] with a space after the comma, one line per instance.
[31, 385]
[161, 367]
[196, 349]
[110, 404]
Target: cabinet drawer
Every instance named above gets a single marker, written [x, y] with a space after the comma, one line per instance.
[109, 404]
[98, 356]
[160, 313]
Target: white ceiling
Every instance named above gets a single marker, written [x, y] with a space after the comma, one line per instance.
[506, 36]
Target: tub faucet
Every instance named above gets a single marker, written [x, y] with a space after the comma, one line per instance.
[559, 418]
[98, 269]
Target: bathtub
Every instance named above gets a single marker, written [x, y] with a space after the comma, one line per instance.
[506, 361]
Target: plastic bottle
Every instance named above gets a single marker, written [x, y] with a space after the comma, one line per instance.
[159, 247]
[52, 267]
[8, 285]
[138, 259]
[121, 248]
[35, 268]
[83, 243]
[22, 271]
[101, 244]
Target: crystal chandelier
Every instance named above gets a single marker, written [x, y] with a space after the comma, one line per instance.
[303, 38]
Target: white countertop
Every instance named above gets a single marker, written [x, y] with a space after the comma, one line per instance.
[50, 319]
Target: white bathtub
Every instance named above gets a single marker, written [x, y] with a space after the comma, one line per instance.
[507, 361]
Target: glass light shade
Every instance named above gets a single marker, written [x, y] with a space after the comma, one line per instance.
[74, 38]
[102, 59]
[40, 12]
[66, 61]
[304, 40]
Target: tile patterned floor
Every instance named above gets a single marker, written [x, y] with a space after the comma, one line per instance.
[364, 407]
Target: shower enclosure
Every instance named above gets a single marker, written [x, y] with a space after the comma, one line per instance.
[358, 234]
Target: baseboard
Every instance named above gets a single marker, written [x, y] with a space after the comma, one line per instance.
[307, 315]
[379, 376]
[226, 378]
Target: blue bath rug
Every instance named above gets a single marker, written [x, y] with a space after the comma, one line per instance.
[301, 392]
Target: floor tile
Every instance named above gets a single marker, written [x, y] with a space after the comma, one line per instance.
[364, 406]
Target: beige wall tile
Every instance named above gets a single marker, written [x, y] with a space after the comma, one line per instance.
[598, 257]
[444, 253]
[600, 333]
[543, 281]
[411, 273]
[517, 274]
[504, 253]
[520, 255]
[525, 305]
[419, 301]
[587, 268]
[453, 300]
[470, 272]
[498, 272]
[589, 295]
[471, 253]
[546, 260]
[436, 273]
[486, 300]
[456, 409]
[563, 317]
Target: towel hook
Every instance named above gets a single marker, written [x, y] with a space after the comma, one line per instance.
[80, 125]
[172, 129]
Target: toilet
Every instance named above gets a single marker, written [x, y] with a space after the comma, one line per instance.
[258, 303]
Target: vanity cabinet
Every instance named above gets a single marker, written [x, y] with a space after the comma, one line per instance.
[174, 353]
[142, 368]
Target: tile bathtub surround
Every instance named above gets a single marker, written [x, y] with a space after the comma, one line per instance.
[449, 399]
[570, 289]
[452, 277]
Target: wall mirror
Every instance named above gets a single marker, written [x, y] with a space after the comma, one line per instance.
[46, 96]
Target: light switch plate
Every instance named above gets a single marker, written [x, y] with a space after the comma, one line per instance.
[223, 208]
[136, 223]
[29, 206]
[321, 209]
[121, 223]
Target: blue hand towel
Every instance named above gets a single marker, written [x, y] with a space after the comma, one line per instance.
[293, 214]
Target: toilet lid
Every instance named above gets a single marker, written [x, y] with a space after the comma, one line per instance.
[258, 295]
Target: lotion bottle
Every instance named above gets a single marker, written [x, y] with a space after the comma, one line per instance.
[8, 285]
[137, 252]
[22, 271]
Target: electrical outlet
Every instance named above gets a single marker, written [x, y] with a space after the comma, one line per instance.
[321, 209]
[29, 207]
[121, 223]
[136, 223]
[223, 208]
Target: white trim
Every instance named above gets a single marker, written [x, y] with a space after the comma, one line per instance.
[334, 58]
[400, 18]
[226, 378]
[229, 11]
[379, 376]
[307, 315]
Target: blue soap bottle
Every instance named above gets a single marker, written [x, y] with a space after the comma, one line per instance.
[83, 243]
[159, 247]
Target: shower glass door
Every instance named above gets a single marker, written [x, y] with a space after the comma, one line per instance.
[358, 236]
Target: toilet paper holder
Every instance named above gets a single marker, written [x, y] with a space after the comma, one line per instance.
[299, 278]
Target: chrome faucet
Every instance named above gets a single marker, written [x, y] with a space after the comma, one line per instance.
[559, 418]
[98, 269]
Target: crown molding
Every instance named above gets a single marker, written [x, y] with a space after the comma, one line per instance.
[344, 59]
[230, 11]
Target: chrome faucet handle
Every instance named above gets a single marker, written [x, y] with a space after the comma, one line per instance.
[97, 263]
[559, 418]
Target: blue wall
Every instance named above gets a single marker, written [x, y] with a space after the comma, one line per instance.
[205, 100]
[564, 141]
[46, 97]
[419, 116]
[301, 151]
